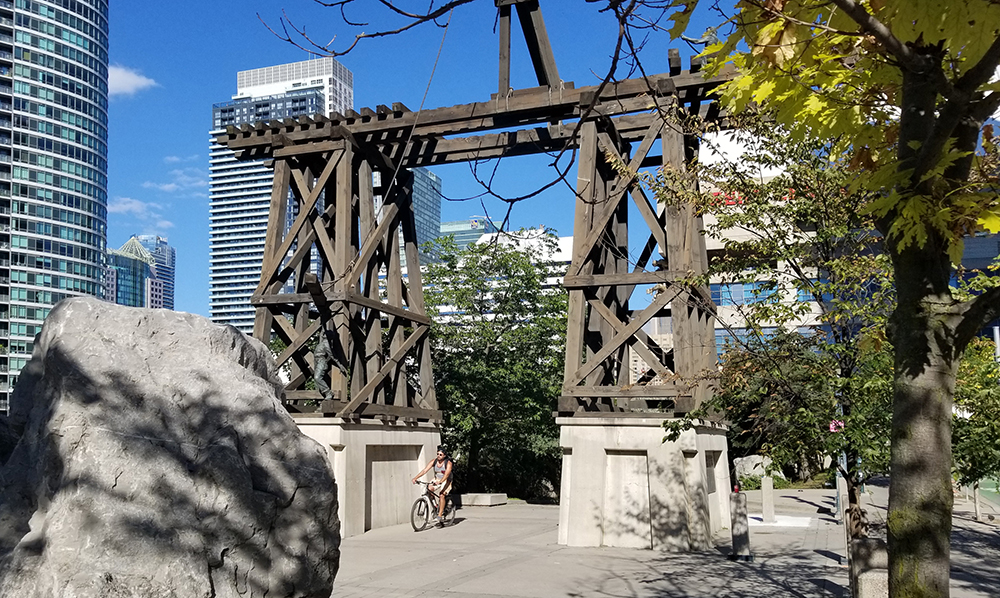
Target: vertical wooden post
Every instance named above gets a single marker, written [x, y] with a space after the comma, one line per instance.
[504, 26]
[586, 184]
[275, 229]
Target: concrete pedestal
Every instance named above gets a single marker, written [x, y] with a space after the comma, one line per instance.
[373, 463]
[767, 498]
[623, 486]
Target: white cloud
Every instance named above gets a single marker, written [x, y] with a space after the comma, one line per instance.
[178, 159]
[181, 179]
[146, 216]
[123, 81]
[134, 207]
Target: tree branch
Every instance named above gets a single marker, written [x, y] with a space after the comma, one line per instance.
[982, 72]
[880, 32]
[977, 313]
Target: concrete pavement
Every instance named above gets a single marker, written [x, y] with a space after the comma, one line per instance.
[511, 550]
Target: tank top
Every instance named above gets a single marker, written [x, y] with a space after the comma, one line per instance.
[439, 470]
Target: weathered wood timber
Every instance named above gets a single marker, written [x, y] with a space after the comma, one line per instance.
[373, 317]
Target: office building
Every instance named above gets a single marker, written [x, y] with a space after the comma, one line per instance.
[165, 267]
[467, 232]
[426, 208]
[53, 165]
[132, 277]
[240, 192]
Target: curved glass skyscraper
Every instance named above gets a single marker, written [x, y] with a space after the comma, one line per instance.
[53, 164]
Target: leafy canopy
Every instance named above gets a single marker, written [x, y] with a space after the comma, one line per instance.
[832, 71]
[497, 341]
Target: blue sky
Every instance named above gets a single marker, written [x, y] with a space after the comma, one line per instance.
[172, 60]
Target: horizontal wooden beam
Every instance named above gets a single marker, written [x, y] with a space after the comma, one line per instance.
[667, 391]
[515, 110]
[332, 296]
[582, 281]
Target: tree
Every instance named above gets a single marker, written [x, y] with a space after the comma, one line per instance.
[977, 417]
[497, 342]
[904, 90]
[802, 285]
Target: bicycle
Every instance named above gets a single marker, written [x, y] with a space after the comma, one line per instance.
[427, 506]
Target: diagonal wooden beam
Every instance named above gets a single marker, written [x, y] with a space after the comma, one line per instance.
[661, 301]
[537, 38]
[390, 364]
[295, 340]
[308, 204]
[621, 185]
[640, 343]
[372, 242]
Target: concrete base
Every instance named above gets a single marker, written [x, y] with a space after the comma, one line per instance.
[373, 462]
[623, 486]
[483, 500]
[868, 568]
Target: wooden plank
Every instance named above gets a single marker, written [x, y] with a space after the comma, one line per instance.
[275, 229]
[311, 194]
[374, 239]
[482, 115]
[669, 390]
[577, 306]
[611, 318]
[504, 27]
[537, 38]
[642, 277]
[391, 362]
[658, 303]
[387, 308]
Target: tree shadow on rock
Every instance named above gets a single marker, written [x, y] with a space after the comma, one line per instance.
[167, 474]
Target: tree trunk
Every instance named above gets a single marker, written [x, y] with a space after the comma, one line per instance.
[926, 364]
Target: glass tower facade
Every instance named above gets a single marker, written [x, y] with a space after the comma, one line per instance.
[166, 264]
[132, 267]
[53, 165]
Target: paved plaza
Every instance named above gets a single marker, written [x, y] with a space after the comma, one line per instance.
[511, 550]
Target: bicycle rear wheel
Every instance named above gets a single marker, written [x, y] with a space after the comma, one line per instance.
[420, 514]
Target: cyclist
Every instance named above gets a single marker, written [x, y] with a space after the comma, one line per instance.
[442, 478]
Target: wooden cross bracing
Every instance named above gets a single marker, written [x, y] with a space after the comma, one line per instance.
[374, 317]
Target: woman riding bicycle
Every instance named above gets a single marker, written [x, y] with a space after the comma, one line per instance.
[442, 478]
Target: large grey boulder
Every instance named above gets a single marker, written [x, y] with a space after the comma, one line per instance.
[155, 460]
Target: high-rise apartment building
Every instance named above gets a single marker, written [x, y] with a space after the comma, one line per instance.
[240, 192]
[53, 165]
[166, 264]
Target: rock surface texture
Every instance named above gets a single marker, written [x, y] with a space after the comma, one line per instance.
[155, 460]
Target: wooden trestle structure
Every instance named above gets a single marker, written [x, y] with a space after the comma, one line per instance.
[379, 335]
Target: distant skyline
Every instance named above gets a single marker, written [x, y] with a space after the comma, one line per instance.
[172, 61]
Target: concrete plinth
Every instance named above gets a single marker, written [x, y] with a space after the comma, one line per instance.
[740, 527]
[623, 486]
[373, 463]
[767, 498]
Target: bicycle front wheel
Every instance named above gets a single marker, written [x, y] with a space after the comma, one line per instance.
[420, 514]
